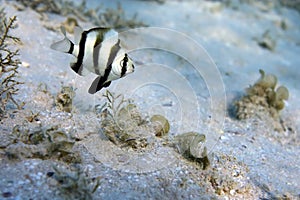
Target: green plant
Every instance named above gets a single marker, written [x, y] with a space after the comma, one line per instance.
[114, 18]
[42, 142]
[262, 97]
[117, 19]
[121, 121]
[64, 99]
[9, 63]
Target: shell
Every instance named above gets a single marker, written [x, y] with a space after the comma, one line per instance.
[191, 144]
[161, 125]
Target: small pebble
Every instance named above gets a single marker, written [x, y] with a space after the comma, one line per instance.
[232, 192]
[25, 64]
[20, 182]
[6, 194]
[50, 174]
[224, 137]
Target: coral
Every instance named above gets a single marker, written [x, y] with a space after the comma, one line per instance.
[75, 183]
[64, 99]
[262, 97]
[191, 146]
[9, 63]
[41, 142]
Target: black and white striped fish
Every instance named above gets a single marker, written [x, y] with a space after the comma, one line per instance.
[106, 59]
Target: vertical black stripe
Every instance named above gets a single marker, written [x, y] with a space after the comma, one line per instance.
[100, 81]
[113, 53]
[96, 51]
[96, 58]
[124, 66]
[71, 49]
[76, 66]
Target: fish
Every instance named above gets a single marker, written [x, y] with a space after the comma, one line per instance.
[106, 59]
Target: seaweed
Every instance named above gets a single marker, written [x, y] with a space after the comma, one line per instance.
[117, 19]
[70, 24]
[263, 99]
[51, 6]
[42, 142]
[263, 96]
[114, 18]
[9, 63]
[64, 99]
[121, 122]
[74, 183]
[291, 4]
[33, 117]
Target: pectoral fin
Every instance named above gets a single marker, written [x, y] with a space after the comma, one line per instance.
[98, 84]
[107, 84]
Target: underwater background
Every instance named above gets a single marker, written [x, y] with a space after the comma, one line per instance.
[211, 111]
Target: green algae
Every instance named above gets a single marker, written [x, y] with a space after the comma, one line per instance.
[122, 123]
[44, 142]
[64, 99]
[114, 18]
[9, 64]
[263, 96]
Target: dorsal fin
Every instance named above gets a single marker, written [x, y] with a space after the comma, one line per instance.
[63, 30]
[64, 45]
[77, 34]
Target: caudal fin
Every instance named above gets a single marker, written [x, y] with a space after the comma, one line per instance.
[64, 45]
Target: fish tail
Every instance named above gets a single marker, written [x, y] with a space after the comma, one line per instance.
[64, 45]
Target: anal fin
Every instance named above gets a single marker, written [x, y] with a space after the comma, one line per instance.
[98, 84]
